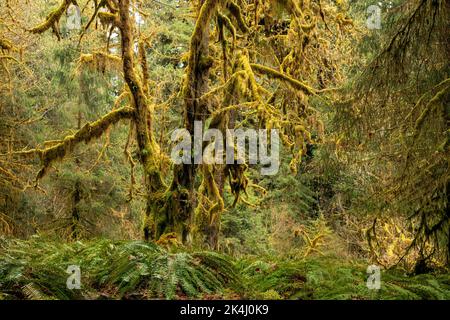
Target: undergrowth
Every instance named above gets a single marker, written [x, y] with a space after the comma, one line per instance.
[36, 269]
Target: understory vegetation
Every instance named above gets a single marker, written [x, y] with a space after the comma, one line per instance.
[36, 269]
[93, 94]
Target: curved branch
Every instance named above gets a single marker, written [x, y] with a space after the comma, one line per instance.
[52, 18]
[236, 11]
[296, 84]
[88, 132]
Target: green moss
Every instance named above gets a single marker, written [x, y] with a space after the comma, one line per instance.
[296, 84]
[88, 132]
[236, 11]
[52, 18]
[5, 44]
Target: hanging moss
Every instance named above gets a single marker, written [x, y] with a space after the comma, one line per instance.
[253, 85]
[108, 18]
[100, 61]
[208, 211]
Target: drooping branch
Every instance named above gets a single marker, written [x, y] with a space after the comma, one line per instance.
[9, 58]
[436, 98]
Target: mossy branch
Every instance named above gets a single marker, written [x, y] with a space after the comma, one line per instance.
[52, 18]
[144, 66]
[225, 22]
[236, 11]
[296, 84]
[436, 98]
[5, 44]
[112, 6]
[88, 132]
[227, 86]
[108, 18]
[9, 58]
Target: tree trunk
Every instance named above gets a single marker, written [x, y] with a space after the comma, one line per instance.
[180, 202]
[148, 148]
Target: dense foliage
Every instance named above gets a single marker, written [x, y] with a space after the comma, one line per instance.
[36, 269]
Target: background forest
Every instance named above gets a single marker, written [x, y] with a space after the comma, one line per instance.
[92, 90]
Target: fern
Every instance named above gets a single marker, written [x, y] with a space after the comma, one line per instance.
[36, 269]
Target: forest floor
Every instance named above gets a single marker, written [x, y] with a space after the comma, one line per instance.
[37, 269]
